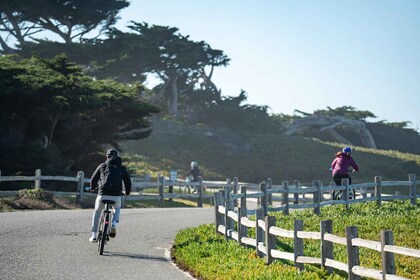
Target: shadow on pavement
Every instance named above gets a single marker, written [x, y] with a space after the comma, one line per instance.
[135, 256]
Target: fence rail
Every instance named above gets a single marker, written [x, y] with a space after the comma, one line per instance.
[227, 218]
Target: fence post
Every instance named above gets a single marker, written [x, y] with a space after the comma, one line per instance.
[264, 198]
[228, 207]
[388, 262]
[285, 197]
[228, 183]
[413, 193]
[200, 192]
[270, 196]
[270, 239]
[235, 190]
[259, 215]
[296, 195]
[171, 191]
[242, 230]
[352, 252]
[243, 198]
[317, 196]
[218, 200]
[37, 181]
[80, 186]
[298, 244]
[161, 181]
[378, 190]
[327, 251]
[345, 182]
[223, 203]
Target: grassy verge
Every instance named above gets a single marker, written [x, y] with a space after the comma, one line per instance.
[206, 254]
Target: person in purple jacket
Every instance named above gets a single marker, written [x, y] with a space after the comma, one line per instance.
[340, 168]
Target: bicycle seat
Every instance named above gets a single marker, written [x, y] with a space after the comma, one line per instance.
[105, 201]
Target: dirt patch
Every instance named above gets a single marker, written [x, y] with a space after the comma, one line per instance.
[30, 199]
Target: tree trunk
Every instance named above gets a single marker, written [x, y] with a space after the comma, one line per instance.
[173, 98]
[328, 123]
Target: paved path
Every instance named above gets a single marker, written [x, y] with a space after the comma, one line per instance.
[54, 244]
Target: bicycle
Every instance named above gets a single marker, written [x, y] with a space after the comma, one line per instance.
[105, 225]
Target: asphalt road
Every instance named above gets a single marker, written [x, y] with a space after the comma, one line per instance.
[54, 244]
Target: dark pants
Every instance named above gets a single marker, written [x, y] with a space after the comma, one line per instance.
[337, 195]
[337, 178]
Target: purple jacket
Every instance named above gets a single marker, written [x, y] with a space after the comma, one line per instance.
[341, 164]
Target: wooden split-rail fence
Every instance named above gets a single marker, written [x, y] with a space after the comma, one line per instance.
[164, 187]
[231, 214]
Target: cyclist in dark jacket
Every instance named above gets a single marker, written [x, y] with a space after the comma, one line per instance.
[107, 191]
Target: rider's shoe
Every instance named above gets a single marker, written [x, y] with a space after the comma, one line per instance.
[113, 232]
[93, 238]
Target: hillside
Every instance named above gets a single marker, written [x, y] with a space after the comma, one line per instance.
[222, 153]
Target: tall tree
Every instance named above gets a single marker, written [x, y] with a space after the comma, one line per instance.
[14, 27]
[50, 105]
[71, 20]
[347, 112]
[178, 61]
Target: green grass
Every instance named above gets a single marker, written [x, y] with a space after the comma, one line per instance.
[208, 256]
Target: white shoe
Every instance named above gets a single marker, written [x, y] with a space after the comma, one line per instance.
[93, 238]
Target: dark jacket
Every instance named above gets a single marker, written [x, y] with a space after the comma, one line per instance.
[98, 178]
[195, 172]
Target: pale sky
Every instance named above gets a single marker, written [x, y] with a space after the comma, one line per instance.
[306, 55]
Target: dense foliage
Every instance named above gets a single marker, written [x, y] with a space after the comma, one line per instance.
[208, 256]
[56, 118]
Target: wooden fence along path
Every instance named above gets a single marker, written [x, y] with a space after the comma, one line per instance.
[296, 196]
[165, 187]
[230, 213]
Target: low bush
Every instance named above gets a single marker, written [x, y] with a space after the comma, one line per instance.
[36, 199]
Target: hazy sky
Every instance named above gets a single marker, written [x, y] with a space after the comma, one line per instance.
[306, 55]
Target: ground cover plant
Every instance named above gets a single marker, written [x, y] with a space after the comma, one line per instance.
[208, 256]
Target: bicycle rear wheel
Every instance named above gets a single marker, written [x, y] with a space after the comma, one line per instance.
[103, 229]
[337, 194]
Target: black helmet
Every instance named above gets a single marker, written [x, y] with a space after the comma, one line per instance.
[112, 153]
